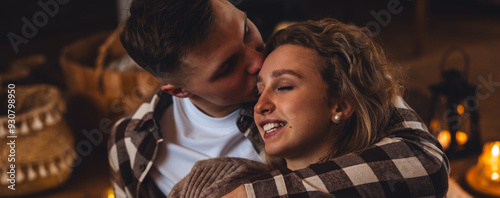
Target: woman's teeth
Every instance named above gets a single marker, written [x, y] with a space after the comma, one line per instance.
[270, 127]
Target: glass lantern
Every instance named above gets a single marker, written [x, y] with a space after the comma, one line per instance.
[454, 117]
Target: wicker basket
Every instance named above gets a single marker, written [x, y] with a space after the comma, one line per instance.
[20, 69]
[44, 149]
[116, 92]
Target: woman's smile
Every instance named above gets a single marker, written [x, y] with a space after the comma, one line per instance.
[271, 127]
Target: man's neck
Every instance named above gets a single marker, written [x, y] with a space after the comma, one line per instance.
[213, 110]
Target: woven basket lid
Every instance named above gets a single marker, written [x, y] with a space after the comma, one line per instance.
[44, 144]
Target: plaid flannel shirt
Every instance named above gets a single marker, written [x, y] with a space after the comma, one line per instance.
[408, 163]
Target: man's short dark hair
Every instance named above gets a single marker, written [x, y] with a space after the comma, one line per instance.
[159, 33]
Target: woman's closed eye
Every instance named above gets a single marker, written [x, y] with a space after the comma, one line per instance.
[281, 88]
[285, 88]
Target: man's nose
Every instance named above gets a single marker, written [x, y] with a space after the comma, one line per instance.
[255, 58]
[255, 53]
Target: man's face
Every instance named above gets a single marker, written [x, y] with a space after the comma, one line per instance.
[226, 64]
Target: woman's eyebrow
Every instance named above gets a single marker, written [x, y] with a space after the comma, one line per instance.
[278, 73]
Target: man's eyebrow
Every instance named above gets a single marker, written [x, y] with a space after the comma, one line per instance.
[245, 25]
[278, 73]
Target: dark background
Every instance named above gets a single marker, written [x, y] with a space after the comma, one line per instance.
[80, 18]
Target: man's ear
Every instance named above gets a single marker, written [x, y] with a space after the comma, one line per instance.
[175, 90]
[341, 111]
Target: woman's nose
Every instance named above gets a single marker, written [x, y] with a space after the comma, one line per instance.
[264, 105]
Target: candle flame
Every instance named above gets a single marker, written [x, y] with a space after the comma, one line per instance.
[495, 151]
[444, 138]
[461, 138]
[460, 109]
[494, 176]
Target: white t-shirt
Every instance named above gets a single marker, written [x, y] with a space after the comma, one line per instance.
[189, 136]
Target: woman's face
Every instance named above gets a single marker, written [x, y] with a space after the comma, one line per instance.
[293, 114]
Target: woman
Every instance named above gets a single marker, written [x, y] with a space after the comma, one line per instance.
[327, 94]
[324, 93]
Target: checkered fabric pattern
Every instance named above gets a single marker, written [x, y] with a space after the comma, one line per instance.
[407, 163]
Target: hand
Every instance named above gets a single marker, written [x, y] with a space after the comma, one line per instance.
[237, 193]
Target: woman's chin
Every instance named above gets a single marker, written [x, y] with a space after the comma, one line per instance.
[275, 151]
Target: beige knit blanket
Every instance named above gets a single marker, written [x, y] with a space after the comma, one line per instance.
[217, 177]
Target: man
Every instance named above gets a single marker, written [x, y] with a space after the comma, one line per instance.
[207, 55]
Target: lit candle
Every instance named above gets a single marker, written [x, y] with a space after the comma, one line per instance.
[485, 177]
[494, 161]
[489, 162]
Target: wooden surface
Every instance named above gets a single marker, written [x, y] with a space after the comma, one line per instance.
[458, 170]
[89, 180]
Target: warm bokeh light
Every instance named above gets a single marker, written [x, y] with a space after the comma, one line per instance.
[494, 176]
[111, 194]
[461, 138]
[494, 151]
[460, 109]
[485, 176]
[434, 124]
[444, 139]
